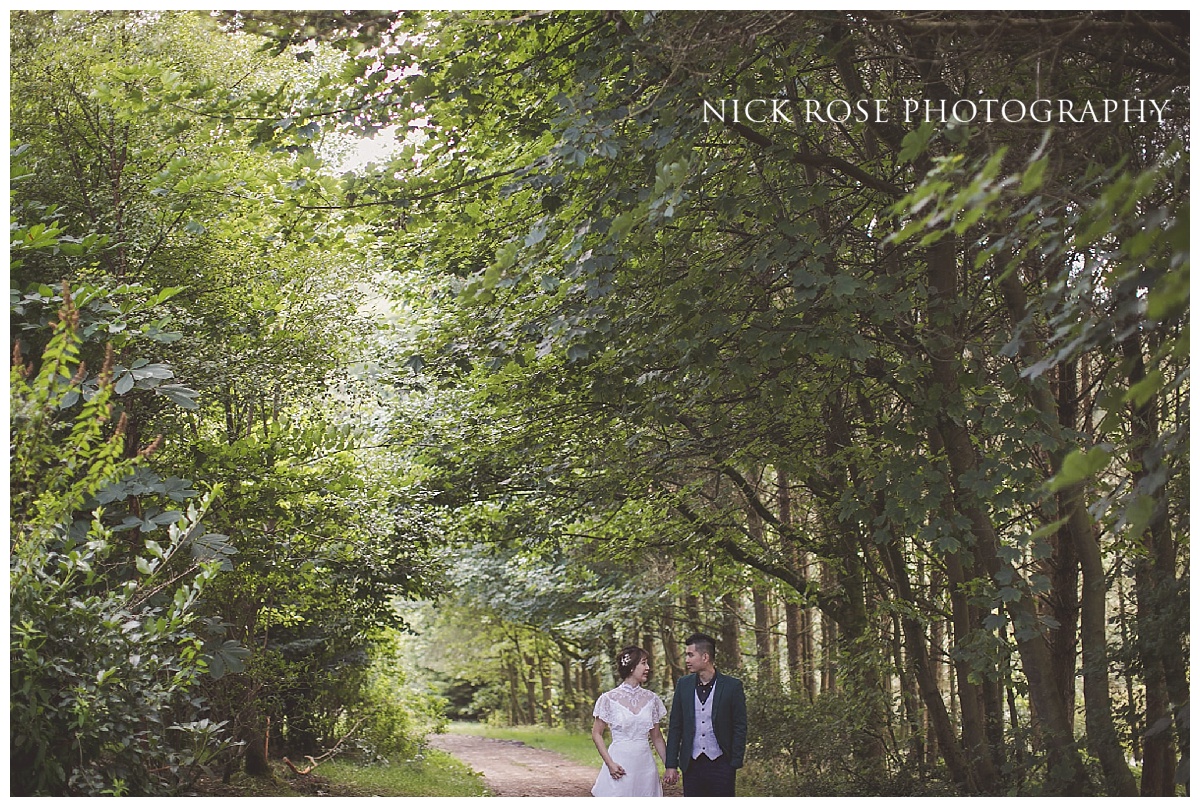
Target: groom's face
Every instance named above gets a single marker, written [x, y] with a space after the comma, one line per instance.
[694, 660]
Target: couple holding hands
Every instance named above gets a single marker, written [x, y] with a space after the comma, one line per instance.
[706, 735]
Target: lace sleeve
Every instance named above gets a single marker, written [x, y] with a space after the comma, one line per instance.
[603, 709]
[660, 711]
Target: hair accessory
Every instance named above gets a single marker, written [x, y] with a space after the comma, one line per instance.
[625, 660]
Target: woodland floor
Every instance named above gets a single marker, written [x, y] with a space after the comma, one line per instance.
[508, 768]
[282, 785]
[511, 768]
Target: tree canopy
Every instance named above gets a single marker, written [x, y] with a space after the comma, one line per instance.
[650, 322]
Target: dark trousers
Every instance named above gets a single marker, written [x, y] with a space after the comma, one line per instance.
[709, 777]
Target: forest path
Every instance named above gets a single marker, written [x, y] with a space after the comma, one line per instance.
[512, 768]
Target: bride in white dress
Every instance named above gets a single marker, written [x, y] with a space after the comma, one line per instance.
[632, 714]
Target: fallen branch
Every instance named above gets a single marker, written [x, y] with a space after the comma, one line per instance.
[314, 762]
[296, 770]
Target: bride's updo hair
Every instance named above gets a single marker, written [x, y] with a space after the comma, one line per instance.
[628, 659]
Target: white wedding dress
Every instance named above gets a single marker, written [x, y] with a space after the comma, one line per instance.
[630, 713]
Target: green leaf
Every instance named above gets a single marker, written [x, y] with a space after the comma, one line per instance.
[844, 286]
[1080, 465]
[1170, 296]
[536, 235]
[995, 622]
[420, 88]
[947, 543]
[1009, 594]
[1047, 529]
[915, 142]
[1145, 389]
[1138, 515]
[1032, 178]
[230, 657]
[622, 223]
[179, 395]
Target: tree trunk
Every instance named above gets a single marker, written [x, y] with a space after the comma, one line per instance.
[514, 694]
[858, 645]
[829, 638]
[647, 644]
[592, 687]
[795, 650]
[567, 707]
[797, 617]
[1162, 611]
[764, 658]
[1158, 749]
[1066, 768]
[927, 684]
[1067, 774]
[1063, 603]
[672, 654]
[808, 645]
[1131, 721]
[691, 611]
[1102, 736]
[1076, 544]
[910, 695]
[1063, 571]
[529, 673]
[934, 655]
[729, 652]
[256, 753]
[970, 701]
[547, 703]
[762, 634]
[992, 692]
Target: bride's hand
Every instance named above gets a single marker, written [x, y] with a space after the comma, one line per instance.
[616, 771]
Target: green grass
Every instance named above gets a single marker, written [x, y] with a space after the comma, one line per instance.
[436, 774]
[574, 744]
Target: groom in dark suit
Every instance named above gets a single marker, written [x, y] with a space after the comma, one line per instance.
[706, 739]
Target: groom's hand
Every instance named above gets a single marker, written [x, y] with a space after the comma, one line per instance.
[670, 776]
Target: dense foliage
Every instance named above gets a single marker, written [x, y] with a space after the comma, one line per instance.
[910, 398]
[914, 378]
[232, 333]
[104, 653]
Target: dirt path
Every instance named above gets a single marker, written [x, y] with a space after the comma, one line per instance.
[511, 768]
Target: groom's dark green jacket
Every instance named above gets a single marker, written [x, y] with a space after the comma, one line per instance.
[729, 721]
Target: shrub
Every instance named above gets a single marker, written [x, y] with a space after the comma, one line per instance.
[103, 660]
[397, 717]
[798, 747]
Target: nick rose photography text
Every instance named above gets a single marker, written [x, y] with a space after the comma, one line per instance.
[913, 110]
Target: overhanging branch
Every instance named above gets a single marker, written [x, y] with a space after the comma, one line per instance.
[827, 163]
